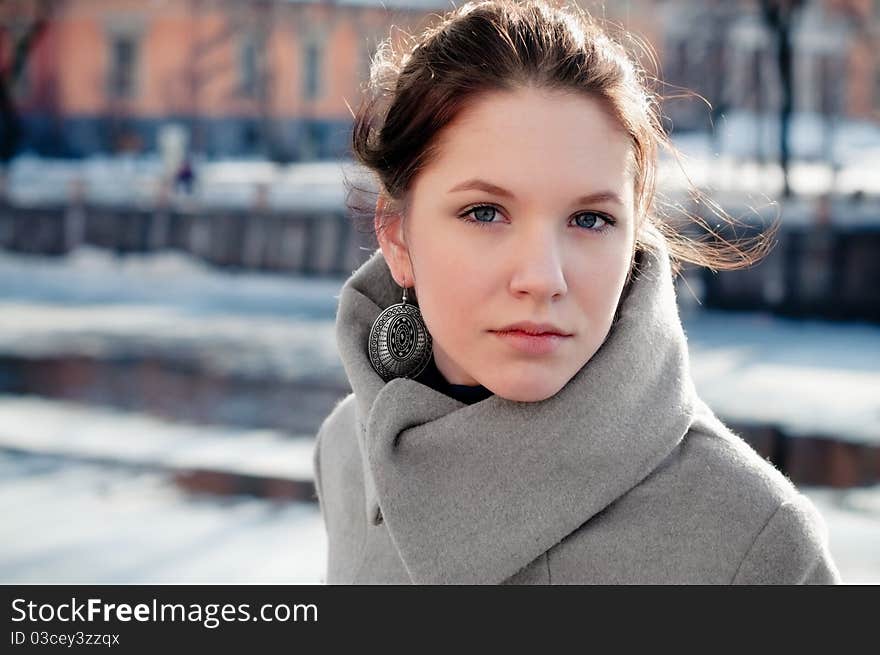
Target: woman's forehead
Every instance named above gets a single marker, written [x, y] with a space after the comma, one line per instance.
[537, 140]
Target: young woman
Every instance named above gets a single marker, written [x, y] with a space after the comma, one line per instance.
[522, 409]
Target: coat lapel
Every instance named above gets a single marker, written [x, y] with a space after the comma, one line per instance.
[472, 493]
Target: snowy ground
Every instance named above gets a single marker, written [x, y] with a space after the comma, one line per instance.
[82, 432]
[89, 524]
[168, 305]
[82, 523]
[853, 519]
[91, 276]
[812, 378]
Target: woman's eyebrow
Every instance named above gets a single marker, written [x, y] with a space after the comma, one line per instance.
[476, 184]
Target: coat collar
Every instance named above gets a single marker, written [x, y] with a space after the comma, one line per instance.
[472, 493]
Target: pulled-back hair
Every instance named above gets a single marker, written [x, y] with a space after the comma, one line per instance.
[417, 88]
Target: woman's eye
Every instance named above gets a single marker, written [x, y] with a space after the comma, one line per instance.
[590, 219]
[483, 214]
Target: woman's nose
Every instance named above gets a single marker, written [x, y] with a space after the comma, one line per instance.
[538, 268]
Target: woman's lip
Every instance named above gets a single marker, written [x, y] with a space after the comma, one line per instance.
[535, 344]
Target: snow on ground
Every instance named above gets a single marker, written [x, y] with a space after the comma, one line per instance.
[77, 431]
[76, 523]
[93, 276]
[168, 305]
[256, 347]
[853, 519]
[807, 377]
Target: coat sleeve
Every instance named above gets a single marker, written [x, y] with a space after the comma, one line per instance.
[791, 548]
[328, 429]
[319, 493]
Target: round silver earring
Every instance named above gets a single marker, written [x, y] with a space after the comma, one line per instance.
[399, 344]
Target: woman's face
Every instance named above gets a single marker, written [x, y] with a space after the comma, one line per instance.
[526, 214]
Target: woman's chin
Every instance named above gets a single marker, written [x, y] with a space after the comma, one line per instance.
[529, 391]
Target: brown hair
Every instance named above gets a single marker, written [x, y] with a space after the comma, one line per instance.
[418, 88]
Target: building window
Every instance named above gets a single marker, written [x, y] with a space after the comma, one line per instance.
[247, 66]
[312, 145]
[312, 78]
[123, 66]
[877, 93]
[250, 137]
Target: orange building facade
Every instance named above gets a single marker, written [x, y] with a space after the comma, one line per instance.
[242, 77]
[275, 78]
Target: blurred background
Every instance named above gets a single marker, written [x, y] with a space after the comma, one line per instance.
[173, 236]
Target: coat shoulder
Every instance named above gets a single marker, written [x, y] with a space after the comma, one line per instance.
[339, 424]
[720, 462]
[335, 446]
[789, 541]
[781, 537]
[339, 484]
[713, 511]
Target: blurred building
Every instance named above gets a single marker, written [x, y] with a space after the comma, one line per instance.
[723, 50]
[245, 77]
[271, 78]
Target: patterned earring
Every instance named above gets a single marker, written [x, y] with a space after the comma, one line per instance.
[400, 344]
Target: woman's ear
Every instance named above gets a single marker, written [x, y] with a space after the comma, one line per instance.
[392, 240]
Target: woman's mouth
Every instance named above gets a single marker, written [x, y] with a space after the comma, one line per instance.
[533, 344]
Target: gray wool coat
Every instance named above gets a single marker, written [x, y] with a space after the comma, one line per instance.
[623, 476]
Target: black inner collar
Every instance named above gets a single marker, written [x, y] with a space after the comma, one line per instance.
[468, 394]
